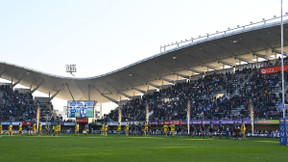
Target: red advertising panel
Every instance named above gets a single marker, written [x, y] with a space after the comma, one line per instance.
[26, 123]
[82, 120]
[274, 69]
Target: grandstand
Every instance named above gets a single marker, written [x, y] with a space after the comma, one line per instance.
[219, 73]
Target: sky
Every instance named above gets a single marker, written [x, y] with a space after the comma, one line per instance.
[100, 36]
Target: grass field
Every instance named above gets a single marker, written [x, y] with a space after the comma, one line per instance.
[152, 148]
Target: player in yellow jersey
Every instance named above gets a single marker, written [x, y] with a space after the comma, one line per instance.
[34, 129]
[103, 129]
[106, 129]
[172, 127]
[165, 129]
[127, 129]
[10, 129]
[0, 129]
[56, 130]
[40, 130]
[77, 129]
[59, 129]
[119, 129]
[86, 129]
[20, 129]
[243, 131]
[146, 131]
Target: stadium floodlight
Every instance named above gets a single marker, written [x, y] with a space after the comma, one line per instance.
[71, 68]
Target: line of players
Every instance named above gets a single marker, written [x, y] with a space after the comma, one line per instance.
[239, 131]
[130, 129]
[133, 129]
[32, 130]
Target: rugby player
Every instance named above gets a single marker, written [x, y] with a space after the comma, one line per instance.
[77, 130]
[165, 129]
[10, 129]
[220, 129]
[20, 129]
[172, 127]
[146, 132]
[243, 131]
[127, 129]
[238, 131]
[86, 129]
[211, 130]
[180, 129]
[119, 129]
[106, 129]
[192, 127]
[0, 129]
[40, 130]
[34, 129]
[234, 130]
[202, 127]
[139, 129]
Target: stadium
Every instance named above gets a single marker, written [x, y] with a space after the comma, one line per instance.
[214, 97]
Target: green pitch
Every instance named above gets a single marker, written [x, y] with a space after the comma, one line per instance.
[152, 148]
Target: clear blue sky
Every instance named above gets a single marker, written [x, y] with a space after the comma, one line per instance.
[101, 36]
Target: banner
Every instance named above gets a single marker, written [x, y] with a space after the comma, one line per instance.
[283, 131]
[81, 120]
[69, 124]
[266, 121]
[273, 69]
[26, 123]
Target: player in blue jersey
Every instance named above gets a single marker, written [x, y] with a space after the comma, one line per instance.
[85, 110]
[211, 130]
[72, 112]
[192, 127]
[202, 127]
[238, 130]
[234, 130]
[220, 129]
[180, 129]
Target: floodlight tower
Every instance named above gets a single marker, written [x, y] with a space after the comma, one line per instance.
[71, 68]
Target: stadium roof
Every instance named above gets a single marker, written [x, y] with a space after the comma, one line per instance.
[225, 49]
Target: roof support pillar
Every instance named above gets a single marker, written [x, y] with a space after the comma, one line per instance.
[225, 63]
[182, 75]
[109, 98]
[124, 94]
[51, 98]
[153, 85]
[241, 59]
[260, 55]
[139, 90]
[208, 66]
[167, 80]
[70, 91]
[35, 89]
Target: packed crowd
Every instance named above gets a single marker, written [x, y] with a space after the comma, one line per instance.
[218, 96]
[15, 106]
